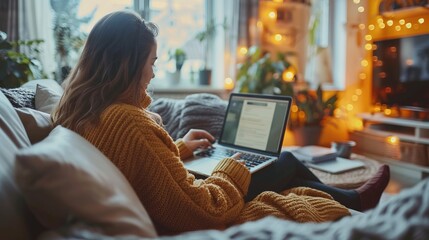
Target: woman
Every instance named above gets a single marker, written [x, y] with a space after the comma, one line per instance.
[105, 101]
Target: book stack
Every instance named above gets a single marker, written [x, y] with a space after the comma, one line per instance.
[314, 154]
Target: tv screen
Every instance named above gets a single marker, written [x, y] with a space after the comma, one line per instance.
[401, 72]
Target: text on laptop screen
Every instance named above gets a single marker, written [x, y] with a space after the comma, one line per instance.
[256, 123]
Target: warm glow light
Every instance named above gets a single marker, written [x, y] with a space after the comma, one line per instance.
[382, 25]
[358, 91]
[294, 108]
[402, 21]
[389, 23]
[408, 25]
[362, 76]
[371, 27]
[398, 28]
[361, 9]
[278, 1]
[278, 37]
[394, 140]
[243, 50]
[388, 89]
[272, 15]
[368, 46]
[380, 20]
[361, 26]
[387, 111]
[409, 61]
[288, 74]
[337, 112]
[364, 63]
[349, 107]
[421, 20]
[356, 1]
[368, 37]
[355, 98]
[228, 84]
[374, 47]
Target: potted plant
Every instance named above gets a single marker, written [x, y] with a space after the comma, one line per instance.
[259, 73]
[67, 35]
[205, 37]
[179, 57]
[313, 112]
[17, 68]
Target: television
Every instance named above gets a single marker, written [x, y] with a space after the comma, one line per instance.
[400, 76]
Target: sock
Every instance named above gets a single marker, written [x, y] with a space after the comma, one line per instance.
[371, 191]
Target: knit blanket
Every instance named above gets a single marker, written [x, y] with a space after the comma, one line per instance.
[199, 111]
[402, 217]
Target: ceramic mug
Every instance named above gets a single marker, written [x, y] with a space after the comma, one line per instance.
[343, 148]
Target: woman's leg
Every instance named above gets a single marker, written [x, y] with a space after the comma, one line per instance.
[289, 172]
[279, 176]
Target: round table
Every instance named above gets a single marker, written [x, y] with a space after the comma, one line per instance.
[350, 179]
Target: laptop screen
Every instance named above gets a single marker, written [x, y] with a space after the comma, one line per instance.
[256, 121]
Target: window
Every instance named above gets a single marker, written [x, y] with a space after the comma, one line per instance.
[178, 21]
[326, 50]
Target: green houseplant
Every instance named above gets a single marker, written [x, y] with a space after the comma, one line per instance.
[179, 56]
[16, 68]
[260, 73]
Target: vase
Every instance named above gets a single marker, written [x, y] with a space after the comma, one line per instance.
[307, 135]
[174, 77]
[205, 76]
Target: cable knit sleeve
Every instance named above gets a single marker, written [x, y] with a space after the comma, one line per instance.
[184, 151]
[150, 160]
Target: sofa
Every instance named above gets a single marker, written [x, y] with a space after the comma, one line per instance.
[56, 185]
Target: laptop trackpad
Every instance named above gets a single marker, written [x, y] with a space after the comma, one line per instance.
[202, 166]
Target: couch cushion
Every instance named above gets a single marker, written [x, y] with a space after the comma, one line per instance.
[65, 180]
[11, 123]
[47, 98]
[37, 124]
[16, 220]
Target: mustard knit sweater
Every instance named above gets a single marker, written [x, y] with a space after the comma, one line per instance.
[174, 199]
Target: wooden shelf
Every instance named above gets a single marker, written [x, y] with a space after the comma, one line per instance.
[406, 12]
[405, 129]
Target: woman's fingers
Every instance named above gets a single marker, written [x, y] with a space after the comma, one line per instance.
[199, 143]
[194, 134]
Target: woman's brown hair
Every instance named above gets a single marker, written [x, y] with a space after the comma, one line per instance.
[111, 64]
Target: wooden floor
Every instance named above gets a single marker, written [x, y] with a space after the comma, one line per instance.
[400, 179]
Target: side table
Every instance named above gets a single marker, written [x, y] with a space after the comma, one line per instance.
[351, 179]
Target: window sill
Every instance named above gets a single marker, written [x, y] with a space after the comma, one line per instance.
[181, 91]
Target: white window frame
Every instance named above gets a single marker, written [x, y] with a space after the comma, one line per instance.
[214, 10]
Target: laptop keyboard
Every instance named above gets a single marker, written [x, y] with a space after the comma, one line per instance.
[251, 160]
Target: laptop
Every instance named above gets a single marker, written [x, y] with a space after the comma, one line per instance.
[254, 125]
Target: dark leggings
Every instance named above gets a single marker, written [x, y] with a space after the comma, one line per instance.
[289, 172]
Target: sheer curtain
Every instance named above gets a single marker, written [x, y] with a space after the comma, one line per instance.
[9, 18]
[36, 22]
[247, 23]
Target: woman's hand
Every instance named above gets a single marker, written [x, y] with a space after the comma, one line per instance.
[197, 138]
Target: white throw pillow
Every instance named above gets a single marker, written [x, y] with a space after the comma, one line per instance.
[46, 99]
[37, 124]
[65, 180]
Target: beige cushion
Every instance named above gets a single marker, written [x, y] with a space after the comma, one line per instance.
[49, 83]
[37, 124]
[46, 98]
[11, 124]
[65, 180]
